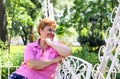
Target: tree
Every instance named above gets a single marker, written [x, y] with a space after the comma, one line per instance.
[3, 22]
[91, 19]
[23, 14]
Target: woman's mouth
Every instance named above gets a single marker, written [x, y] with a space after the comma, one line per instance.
[51, 36]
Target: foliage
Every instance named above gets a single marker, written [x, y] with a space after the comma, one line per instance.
[16, 53]
[91, 57]
[91, 15]
[22, 14]
[3, 45]
[2, 50]
[58, 10]
[14, 58]
[83, 53]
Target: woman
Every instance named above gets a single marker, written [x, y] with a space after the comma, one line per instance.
[42, 56]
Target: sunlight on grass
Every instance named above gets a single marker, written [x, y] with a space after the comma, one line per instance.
[76, 48]
[17, 49]
[16, 53]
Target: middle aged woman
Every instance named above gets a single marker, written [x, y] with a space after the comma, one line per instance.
[41, 57]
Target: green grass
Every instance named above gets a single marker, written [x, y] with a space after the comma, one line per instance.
[17, 49]
[76, 48]
[14, 57]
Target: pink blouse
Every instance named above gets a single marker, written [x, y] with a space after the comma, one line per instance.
[34, 51]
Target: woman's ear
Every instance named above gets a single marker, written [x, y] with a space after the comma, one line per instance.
[40, 31]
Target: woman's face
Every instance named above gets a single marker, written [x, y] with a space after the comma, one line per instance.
[47, 32]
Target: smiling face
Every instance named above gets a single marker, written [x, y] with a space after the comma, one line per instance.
[46, 28]
[47, 32]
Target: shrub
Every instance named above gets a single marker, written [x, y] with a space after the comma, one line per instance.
[14, 58]
[84, 53]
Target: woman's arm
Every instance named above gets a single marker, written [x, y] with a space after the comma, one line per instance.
[40, 64]
[63, 50]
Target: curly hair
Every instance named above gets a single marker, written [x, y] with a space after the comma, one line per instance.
[46, 22]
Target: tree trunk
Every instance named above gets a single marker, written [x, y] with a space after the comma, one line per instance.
[31, 34]
[24, 36]
[3, 22]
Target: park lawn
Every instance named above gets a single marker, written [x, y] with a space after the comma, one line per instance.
[14, 57]
[17, 49]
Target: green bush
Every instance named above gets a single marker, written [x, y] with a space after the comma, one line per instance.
[91, 57]
[84, 53]
[16, 56]
[12, 58]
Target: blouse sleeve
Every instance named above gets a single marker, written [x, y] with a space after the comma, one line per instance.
[28, 53]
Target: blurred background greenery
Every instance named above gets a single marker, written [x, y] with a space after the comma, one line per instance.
[81, 25]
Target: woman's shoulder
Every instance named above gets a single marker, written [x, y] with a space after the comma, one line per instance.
[31, 44]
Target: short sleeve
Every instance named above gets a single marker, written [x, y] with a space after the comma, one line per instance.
[28, 53]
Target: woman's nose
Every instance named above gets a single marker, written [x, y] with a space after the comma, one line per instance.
[51, 30]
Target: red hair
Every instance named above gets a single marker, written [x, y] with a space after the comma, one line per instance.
[46, 22]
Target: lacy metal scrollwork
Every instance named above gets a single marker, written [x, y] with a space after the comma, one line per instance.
[74, 68]
[109, 53]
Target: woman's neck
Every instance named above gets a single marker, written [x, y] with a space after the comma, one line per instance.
[43, 45]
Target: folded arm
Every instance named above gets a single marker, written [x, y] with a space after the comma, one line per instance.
[40, 64]
[63, 50]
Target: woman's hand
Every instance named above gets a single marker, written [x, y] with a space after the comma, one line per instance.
[57, 59]
[48, 41]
